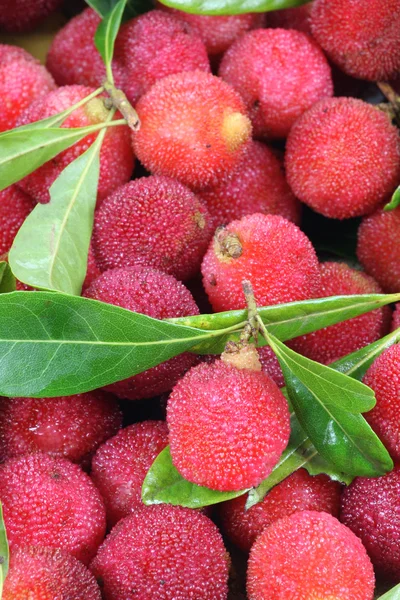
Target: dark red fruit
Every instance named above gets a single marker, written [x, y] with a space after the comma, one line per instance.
[50, 502]
[164, 553]
[15, 206]
[396, 318]
[25, 15]
[309, 555]
[155, 222]
[157, 295]
[121, 464]
[292, 18]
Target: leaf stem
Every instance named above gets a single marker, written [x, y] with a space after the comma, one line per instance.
[121, 103]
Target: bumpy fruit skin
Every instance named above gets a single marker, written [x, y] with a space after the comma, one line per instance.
[383, 377]
[156, 295]
[70, 427]
[396, 318]
[93, 270]
[121, 464]
[50, 502]
[364, 43]
[258, 186]
[279, 74]
[378, 248]
[270, 365]
[25, 15]
[179, 48]
[371, 508]
[292, 18]
[343, 158]
[269, 251]
[309, 555]
[331, 343]
[48, 574]
[299, 491]
[15, 206]
[188, 558]
[22, 80]
[152, 221]
[227, 427]
[116, 157]
[194, 128]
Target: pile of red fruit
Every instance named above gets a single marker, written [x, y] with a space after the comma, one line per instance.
[241, 126]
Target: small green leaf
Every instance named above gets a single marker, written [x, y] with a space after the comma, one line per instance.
[64, 227]
[22, 152]
[394, 202]
[7, 279]
[230, 7]
[163, 484]
[393, 594]
[107, 32]
[327, 404]
[4, 550]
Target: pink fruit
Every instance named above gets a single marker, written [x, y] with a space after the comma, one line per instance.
[292, 18]
[396, 318]
[15, 206]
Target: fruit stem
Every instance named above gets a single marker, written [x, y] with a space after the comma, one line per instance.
[121, 103]
[251, 327]
[393, 109]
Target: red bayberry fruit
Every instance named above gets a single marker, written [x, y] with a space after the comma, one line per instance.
[152, 221]
[383, 377]
[50, 502]
[121, 464]
[22, 80]
[189, 559]
[48, 574]
[193, 128]
[280, 74]
[227, 427]
[396, 318]
[15, 206]
[70, 427]
[378, 248]
[258, 186]
[331, 343]
[292, 18]
[270, 365]
[116, 157]
[299, 491]
[92, 271]
[364, 43]
[268, 250]
[309, 555]
[371, 508]
[343, 157]
[25, 15]
[157, 295]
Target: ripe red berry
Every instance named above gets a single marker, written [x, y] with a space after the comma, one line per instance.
[378, 248]
[25, 15]
[70, 427]
[343, 158]
[193, 128]
[92, 271]
[116, 157]
[364, 43]
[279, 74]
[50, 502]
[331, 343]
[396, 318]
[292, 18]
[22, 80]
[121, 464]
[227, 427]
[268, 250]
[371, 508]
[15, 206]
[270, 365]
[48, 574]
[152, 221]
[299, 491]
[309, 555]
[186, 551]
[258, 186]
[138, 289]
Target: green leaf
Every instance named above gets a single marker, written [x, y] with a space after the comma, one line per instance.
[107, 32]
[58, 345]
[64, 228]
[229, 7]
[7, 279]
[394, 202]
[327, 404]
[22, 152]
[163, 484]
[393, 594]
[287, 321]
[4, 550]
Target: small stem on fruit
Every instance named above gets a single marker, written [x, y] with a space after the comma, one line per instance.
[251, 329]
[262, 329]
[228, 243]
[121, 103]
